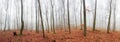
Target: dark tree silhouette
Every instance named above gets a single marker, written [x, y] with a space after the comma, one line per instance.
[22, 22]
[94, 21]
[68, 16]
[109, 20]
[41, 19]
[84, 12]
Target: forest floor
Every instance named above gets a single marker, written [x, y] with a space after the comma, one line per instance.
[76, 35]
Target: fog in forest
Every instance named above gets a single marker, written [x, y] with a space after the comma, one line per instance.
[59, 21]
[11, 12]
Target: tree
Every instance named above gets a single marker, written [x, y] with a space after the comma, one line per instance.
[94, 21]
[63, 1]
[75, 17]
[81, 14]
[47, 19]
[41, 19]
[52, 17]
[84, 12]
[22, 22]
[68, 16]
[6, 14]
[108, 27]
[37, 29]
[114, 23]
[76, 21]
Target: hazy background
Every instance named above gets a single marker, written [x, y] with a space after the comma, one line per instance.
[13, 12]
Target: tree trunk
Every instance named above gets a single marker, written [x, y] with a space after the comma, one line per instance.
[41, 19]
[22, 22]
[68, 16]
[37, 30]
[94, 21]
[6, 15]
[81, 14]
[53, 17]
[47, 20]
[84, 9]
[114, 23]
[108, 27]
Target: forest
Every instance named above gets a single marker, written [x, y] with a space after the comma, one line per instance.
[59, 21]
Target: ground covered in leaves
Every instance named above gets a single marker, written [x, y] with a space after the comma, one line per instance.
[76, 35]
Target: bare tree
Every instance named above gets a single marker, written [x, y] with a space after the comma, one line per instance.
[114, 24]
[37, 29]
[94, 21]
[75, 17]
[76, 21]
[52, 16]
[6, 14]
[41, 19]
[22, 22]
[63, 1]
[47, 19]
[68, 16]
[108, 27]
[84, 9]
[81, 13]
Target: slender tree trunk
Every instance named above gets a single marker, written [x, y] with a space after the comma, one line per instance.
[68, 17]
[17, 18]
[64, 14]
[8, 22]
[53, 23]
[5, 23]
[22, 22]
[31, 19]
[41, 19]
[53, 17]
[75, 21]
[81, 13]
[94, 21]
[47, 20]
[85, 28]
[114, 24]
[108, 27]
[6, 15]
[37, 30]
